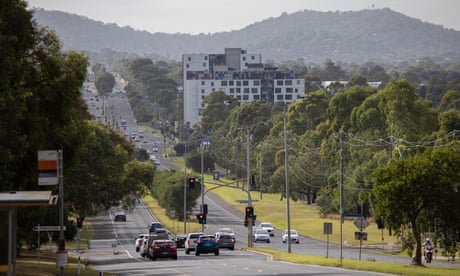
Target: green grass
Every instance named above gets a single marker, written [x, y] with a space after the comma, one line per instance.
[383, 267]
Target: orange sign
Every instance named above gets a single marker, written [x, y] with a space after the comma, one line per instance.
[47, 167]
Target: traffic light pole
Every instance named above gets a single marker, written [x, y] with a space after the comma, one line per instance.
[202, 181]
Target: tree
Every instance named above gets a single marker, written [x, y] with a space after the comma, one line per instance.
[105, 82]
[410, 192]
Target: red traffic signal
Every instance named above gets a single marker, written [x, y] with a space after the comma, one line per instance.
[249, 211]
[201, 218]
[191, 183]
[79, 222]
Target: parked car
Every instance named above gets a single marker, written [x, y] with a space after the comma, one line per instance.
[206, 244]
[190, 242]
[119, 216]
[261, 234]
[226, 240]
[139, 240]
[180, 241]
[294, 236]
[269, 227]
[162, 249]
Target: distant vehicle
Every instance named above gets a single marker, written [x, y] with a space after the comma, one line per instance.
[226, 230]
[163, 249]
[226, 240]
[120, 216]
[294, 236]
[261, 235]
[190, 242]
[155, 149]
[180, 241]
[206, 244]
[154, 225]
[157, 162]
[269, 227]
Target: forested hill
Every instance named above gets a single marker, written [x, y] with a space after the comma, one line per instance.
[379, 35]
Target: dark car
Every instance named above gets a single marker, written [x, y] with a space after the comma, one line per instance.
[119, 216]
[155, 225]
[206, 244]
[226, 241]
[180, 241]
[163, 249]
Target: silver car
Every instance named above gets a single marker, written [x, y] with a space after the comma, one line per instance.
[261, 235]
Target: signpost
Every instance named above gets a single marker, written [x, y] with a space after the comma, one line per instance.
[361, 223]
[327, 229]
[48, 167]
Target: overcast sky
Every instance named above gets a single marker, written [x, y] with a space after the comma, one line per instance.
[210, 16]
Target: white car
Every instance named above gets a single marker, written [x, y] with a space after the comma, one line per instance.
[269, 227]
[139, 241]
[261, 235]
[294, 236]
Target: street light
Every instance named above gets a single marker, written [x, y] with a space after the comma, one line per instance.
[286, 172]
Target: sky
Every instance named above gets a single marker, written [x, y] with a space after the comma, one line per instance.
[211, 16]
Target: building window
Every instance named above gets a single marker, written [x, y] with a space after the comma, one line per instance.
[254, 90]
[232, 90]
[212, 83]
[256, 97]
[223, 83]
[256, 82]
[189, 58]
[213, 89]
[202, 82]
[246, 90]
[244, 58]
[298, 82]
[288, 89]
[279, 82]
[253, 57]
[231, 83]
[204, 64]
[277, 90]
[288, 97]
[187, 65]
[202, 91]
[245, 97]
[238, 83]
[205, 57]
[202, 97]
[245, 83]
[238, 98]
[288, 82]
[238, 90]
[279, 97]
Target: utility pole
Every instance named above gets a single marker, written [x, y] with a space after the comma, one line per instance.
[286, 173]
[248, 177]
[185, 188]
[341, 196]
[202, 181]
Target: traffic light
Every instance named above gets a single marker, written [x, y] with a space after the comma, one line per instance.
[80, 222]
[249, 212]
[204, 208]
[201, 218]
[380, 223]
[191, 183]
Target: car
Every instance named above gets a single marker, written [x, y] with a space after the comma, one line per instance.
[160, 234]
[226, 240]
[157, 162]
[162, 249]
[226, 230]
[261, 234]
[294, 236]
[119, 216]
[269, 227]
[154, 225]
[144, 249]
[180, 240]
[139, 240]
[191, 241]
[155, 149]
[206, 244]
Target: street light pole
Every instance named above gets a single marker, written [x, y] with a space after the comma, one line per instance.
[248, 177]
[286, 173]
[185, 188]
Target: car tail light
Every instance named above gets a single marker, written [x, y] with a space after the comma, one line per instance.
[172, 246]
[156, 247]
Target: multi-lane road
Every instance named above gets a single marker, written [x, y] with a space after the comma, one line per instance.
[112, 248]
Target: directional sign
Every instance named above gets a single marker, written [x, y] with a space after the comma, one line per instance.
[48, 228]
[361, 223]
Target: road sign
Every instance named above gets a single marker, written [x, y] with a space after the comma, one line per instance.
[361, 223]
[327, 228]
[48, 228]
[47, 167]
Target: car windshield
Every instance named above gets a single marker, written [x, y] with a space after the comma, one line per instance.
[261, 231]
[266, 225]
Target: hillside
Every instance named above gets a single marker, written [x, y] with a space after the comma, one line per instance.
[380, 35]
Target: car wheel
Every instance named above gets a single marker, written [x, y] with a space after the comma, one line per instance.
[197, 253]
[232, 248]
[268, 241]
[175, 257]
[153, 258]
[284, 241]
[187, 251]
[216, 253]
[297, 242]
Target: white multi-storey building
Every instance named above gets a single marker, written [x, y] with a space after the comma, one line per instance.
[238, 74]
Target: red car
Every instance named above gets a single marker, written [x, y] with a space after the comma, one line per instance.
[163, 249]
